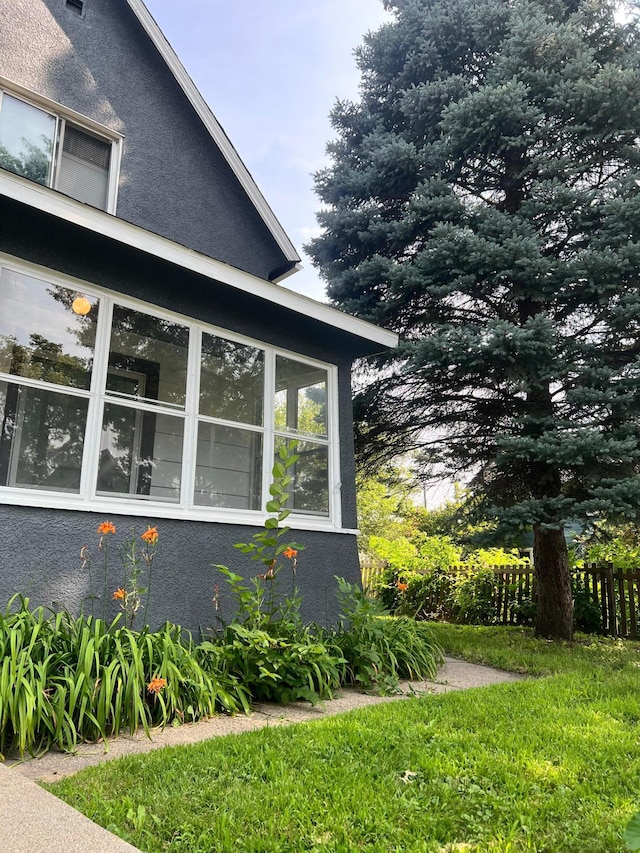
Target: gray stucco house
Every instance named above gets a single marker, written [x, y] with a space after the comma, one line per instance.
[150, 361]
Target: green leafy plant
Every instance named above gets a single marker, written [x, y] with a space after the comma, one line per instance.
[66, 679]
[632, 833]
[266, 647]
[279, 668]
[379, 649]
[259, 604]
[473, 595]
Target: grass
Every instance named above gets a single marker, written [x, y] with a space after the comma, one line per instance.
[549, 765]
[517, 650]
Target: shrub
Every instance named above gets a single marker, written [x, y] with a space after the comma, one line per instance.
[474, 595]
[379, 649]
[275, 668]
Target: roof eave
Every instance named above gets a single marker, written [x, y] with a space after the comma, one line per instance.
[56, 204]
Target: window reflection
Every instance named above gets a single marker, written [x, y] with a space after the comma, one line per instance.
[147, 358]
[27, 136]
[301, 397]
[41, 438]
[232, 380]
[41, 337]
[310, 477]
[140, 453]
[229, 467]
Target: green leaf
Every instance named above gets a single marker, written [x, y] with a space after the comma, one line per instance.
[278, 470]
[632, 833]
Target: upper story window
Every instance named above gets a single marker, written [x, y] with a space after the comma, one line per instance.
[53, 149]
[108, 404]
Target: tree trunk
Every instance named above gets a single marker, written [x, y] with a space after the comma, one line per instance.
[554, 617]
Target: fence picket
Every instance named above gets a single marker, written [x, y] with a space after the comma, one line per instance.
[633, 588]
[616, 593]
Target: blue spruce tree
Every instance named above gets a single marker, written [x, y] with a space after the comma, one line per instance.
[483, 201]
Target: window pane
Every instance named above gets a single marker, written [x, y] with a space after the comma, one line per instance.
[229, 467]
[301, 397]
[140, 454]
[147, 358]
[41, 438]
[27, 135]
[310, 487]
[41, 334]
[232, 381]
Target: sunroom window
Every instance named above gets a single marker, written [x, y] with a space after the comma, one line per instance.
[231, 402]
[46, 362]
[116, 405]
[141, 446]
[54, 151]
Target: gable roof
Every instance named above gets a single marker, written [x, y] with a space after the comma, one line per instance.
[221, 139]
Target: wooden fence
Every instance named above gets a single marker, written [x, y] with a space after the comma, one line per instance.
[613, 595]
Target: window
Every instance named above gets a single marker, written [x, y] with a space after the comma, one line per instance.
[301, 412]
[46, 360]
[76, 6]
[53, 150]
[114, 405]
[231, 402]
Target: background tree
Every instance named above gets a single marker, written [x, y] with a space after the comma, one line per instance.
[482, 201]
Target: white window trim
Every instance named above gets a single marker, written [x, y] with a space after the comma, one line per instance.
[62, 113]
[87, 501]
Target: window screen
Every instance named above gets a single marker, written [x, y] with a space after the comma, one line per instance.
[84, 167]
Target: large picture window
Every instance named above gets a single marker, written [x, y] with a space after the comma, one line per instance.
[115, 405]
[45, 146]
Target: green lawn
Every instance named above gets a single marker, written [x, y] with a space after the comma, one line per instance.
[549, 764]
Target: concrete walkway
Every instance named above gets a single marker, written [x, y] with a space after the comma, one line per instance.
[34, 821]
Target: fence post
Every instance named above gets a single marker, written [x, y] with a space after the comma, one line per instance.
[611, 600]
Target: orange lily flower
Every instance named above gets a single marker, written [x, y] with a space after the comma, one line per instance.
[156, 685]
[150, 536]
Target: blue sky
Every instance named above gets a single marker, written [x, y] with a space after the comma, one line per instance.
[271, 71]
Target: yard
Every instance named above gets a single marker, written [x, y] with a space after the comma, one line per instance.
[548, 764]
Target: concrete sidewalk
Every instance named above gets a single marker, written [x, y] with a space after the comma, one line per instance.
[34, 821]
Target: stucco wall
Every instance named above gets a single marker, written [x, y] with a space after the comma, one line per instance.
[40, 557]
[173, 181]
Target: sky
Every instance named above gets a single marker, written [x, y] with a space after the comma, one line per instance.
[271, 72]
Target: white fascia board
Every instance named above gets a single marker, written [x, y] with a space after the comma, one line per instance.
[62, 206]
[213, 126]
[286, 274]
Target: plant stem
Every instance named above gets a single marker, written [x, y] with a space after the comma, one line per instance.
[104, 590]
